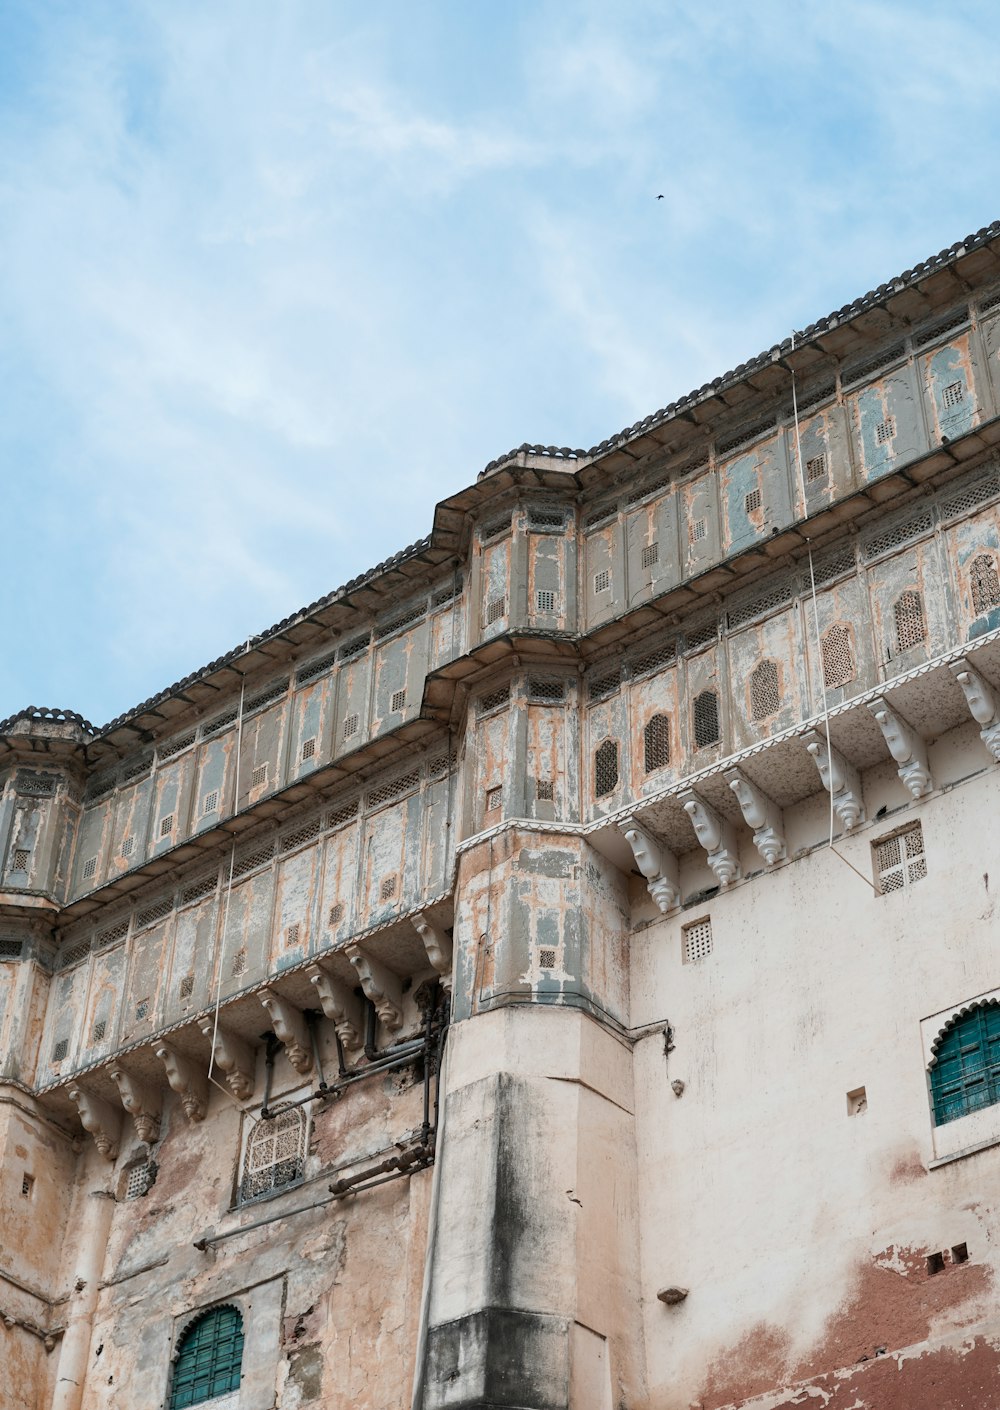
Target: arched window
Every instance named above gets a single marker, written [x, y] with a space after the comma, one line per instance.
[606, 769]
[985, 583]
[965, 1067]
[838, 658]
[208, 1358]
[656, 743]
[911, 627]
[765, 693]
[275, 1153]
[706, 719]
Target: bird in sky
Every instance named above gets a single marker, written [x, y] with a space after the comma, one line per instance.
[659, 198]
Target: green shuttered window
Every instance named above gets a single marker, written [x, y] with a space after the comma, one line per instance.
[966, 1073]
[208, 1359]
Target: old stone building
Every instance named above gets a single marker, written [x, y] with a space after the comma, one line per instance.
[559, 967]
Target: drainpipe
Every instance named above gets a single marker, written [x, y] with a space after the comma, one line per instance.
[74, 1353]
[420, 1369]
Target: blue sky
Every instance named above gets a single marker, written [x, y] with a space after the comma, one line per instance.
[277, 277]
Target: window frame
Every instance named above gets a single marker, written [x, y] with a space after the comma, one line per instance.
[179, 1395]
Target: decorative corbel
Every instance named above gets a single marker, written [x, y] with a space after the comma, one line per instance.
[760, 813]
[905, 746]
[982, 704]
[438, 948]
[340, 1005]
[99, 1118]
[187, 1079]
[381, 986]
[716, 835]
[839, 779]
[289, 1028]
[655, 862]
[140, 1101]
[233, 1057]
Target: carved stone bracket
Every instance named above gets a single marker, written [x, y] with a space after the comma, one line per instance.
[187, 1079]
[905, 746]
[99, 1118]
[760, 813]
[982, 704]
[839, 779]
[438, 947]
[341, 1006]
[657, 864]
[716, 835]
[233, 1057]
[381, 986]
[290, 1028]
[140, 1101]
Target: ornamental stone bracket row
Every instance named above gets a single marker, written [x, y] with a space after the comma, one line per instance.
[235, 1059]
[717, 835]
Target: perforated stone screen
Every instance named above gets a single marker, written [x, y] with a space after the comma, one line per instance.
[656, 743]
[911, 625]
[697, 940]
[985, 583]
[765, 691]
[838, 657]
[900, 860]
[275, 1153]
[606, 769]
[706, 719]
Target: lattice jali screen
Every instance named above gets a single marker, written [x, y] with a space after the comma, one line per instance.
[911, 625]
[985, 583]
[900, 860]
[838, 657]
[706, 719]
[765, 691]
[140, 1180]
[697, 940]
[606, 769]
[656, 743]
[275, 1153]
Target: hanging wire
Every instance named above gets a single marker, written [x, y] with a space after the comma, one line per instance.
[816, 636]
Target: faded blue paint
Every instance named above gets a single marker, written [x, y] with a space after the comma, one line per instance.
[987, 623]
[946, 368]
[878, 458]
[741, 477]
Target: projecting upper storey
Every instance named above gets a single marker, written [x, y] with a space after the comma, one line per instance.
[658, 546]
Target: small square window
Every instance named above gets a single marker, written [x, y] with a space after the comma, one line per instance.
[494, 798]
[816, 468]
[127, 847]
[900, 860]
[259, 776]
[602, 580]
[308, 748]
[167, 825]
[141, 1009]
[752, 502]
[186, 986]
[398, 701]
[388, 888]
[857, 1102]
[27, 1185]
[953, 394]
[698, 530]
[336, 913]
[697, 940]
[292, 935]
[20, 862]
[885, 430]
[496, 608]
[350, 726]
[546, 600]
[544, 790]
[60, 1050]
[547, 959]
[90, 868]
[140, 1179]
[650, 555]
[98, 1031]
[239, 962]
[211, 802]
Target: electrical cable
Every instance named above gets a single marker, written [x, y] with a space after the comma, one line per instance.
[816, 635]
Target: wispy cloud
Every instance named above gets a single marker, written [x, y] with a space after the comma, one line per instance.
[277, 278]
